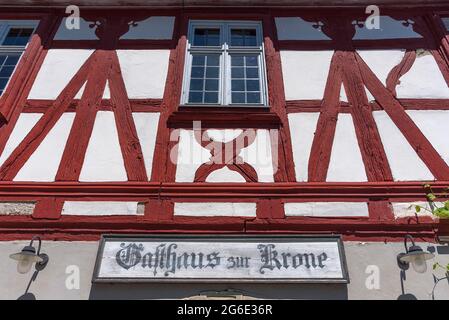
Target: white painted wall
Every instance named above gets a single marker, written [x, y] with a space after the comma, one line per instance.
[44, 162]
[423, 80]
[259, 156]
[346, 163]
[381, 62]
[302, 131]
[407, 209]
[191, 155]
[433, 124]
[103, 160]
[99, 208]
[23, 126]
[388, 29]
[215, 209]
[305, 73]
[404, 162]
[146, 125]
[152, 28]
[225, 175]
[83, 33]
[327, 209]
[144, 72]
[59, 67]
[296, 28]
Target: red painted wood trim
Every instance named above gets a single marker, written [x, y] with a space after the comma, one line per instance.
[30, 143]
[270, 209]
[291, 190]
[163, 167]
[48, 208]
[356, 44]
[285, 170]
[12, 103]
[73, 157]
[380, 210]
[397, 72]
[171, 100]
[127, 133]
[122, 44]
[294, 106]
[325, 130]
[408, 128]
[19, 85]
[373, 154]
[137, 105]
[90, 228]
[224, 118]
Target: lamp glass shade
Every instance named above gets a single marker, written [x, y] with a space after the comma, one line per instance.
[419, 264]
[417, 258]
[25, 259]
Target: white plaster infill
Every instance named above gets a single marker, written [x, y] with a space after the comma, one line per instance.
[326, 209]
[215, 209]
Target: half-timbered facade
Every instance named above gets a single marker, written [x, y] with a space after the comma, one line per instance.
[202, 120]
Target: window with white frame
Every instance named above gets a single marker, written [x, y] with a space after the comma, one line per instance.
[224, 64]
[446, 22]
[14, 36]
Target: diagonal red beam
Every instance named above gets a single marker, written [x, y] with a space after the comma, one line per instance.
[325, 131]
[405, 124]
[30, 143]
[127, 133]
[373, 154]
[73, 157]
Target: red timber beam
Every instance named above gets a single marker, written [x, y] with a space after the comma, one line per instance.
[164, 167]
[344, 69]
[16, 93]
[15, 96]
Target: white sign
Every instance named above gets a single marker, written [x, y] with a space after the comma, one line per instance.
[221, 258]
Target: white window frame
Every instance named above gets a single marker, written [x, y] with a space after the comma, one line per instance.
[225, 51]
[5, 26]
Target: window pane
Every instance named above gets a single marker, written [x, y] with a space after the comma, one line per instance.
[17, 36]
[237, 72]
[238, 97]
[195, 97]
[204, 82]
[5, 72]
[238, 85]
[237, 61]
[213, 60]
[211, 97]
[211, 85]
[245, 80]
[251, 61]
[243, 37]
[253, 97]
[446, 22]
[206, 37]
[252, 72]
[8, 62]
[198, 60]
[252, 85]
[212, 72]
[196, 84]
[197, 72]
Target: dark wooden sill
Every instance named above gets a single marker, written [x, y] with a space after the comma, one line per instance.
[224, 117]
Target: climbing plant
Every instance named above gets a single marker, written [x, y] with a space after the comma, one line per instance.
[439, 209]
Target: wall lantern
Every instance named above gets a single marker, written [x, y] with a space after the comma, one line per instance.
[28, 256]
[414, 255]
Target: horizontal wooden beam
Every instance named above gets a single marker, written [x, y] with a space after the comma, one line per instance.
[288, 190]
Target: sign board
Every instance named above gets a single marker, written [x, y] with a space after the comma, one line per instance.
[179, 258]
